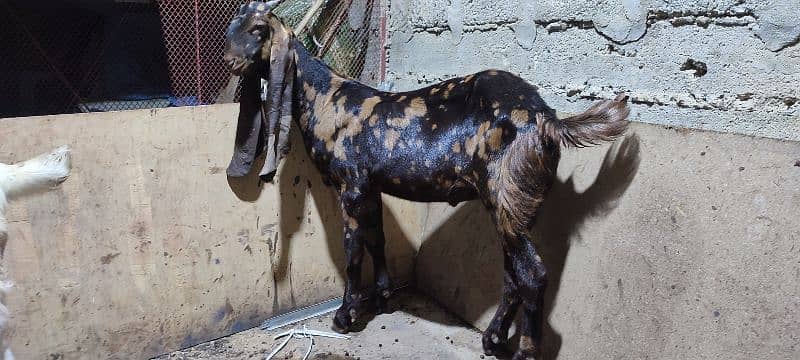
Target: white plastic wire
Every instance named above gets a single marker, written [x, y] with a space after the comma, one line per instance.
[316, 42]
[302, 334]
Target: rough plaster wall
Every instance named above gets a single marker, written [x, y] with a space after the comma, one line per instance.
[583, 50]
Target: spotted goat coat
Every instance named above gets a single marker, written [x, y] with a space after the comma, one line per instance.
[486, 136]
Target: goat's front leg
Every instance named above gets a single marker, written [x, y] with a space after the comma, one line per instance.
[495, 337]
[361, 212]
[375, 242]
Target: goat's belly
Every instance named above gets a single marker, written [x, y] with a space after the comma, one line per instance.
[452, 192]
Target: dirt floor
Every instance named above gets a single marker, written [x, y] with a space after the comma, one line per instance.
[417, 329]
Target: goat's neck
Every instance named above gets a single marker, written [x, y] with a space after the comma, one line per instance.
[316, 85]
[311, 70]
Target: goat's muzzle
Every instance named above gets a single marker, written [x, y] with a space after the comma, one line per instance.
[236, 65]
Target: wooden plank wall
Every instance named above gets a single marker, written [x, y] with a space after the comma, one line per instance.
[148, 247]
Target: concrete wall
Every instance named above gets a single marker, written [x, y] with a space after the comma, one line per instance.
[726, 65]
[148, 247]
[672, 244]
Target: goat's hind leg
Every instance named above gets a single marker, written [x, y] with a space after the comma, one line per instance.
[531, 280]
[362, 220]
[495, 337]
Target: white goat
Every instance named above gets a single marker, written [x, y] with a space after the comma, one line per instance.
[16, 181]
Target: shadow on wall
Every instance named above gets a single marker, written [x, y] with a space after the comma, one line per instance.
[248, 188]
[297, 179]
[461, 264]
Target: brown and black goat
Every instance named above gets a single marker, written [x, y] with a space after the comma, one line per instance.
[486, 136]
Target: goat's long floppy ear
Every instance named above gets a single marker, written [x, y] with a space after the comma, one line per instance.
[279, 97]
[249, 135]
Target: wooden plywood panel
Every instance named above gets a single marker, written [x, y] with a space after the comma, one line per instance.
[146, 248]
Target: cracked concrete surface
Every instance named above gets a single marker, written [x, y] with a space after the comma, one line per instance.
[581, 51]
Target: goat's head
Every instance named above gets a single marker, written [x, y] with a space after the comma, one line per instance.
[249, 36]
[258, 45]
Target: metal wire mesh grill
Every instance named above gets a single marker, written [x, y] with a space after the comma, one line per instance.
[68, 57]
[71, 57]
[193, 38]
[339, 34]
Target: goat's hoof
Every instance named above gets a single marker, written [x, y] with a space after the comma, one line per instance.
[343, 320]
[527, 348]
[524, 355]
[381, 301]
[494, 345]
[339, 326]
[381, 306]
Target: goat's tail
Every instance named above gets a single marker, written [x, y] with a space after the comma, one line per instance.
[524, 173]
[34, 175]
[603, 121]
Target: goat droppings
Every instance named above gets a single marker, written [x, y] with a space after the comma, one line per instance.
[698, 67]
